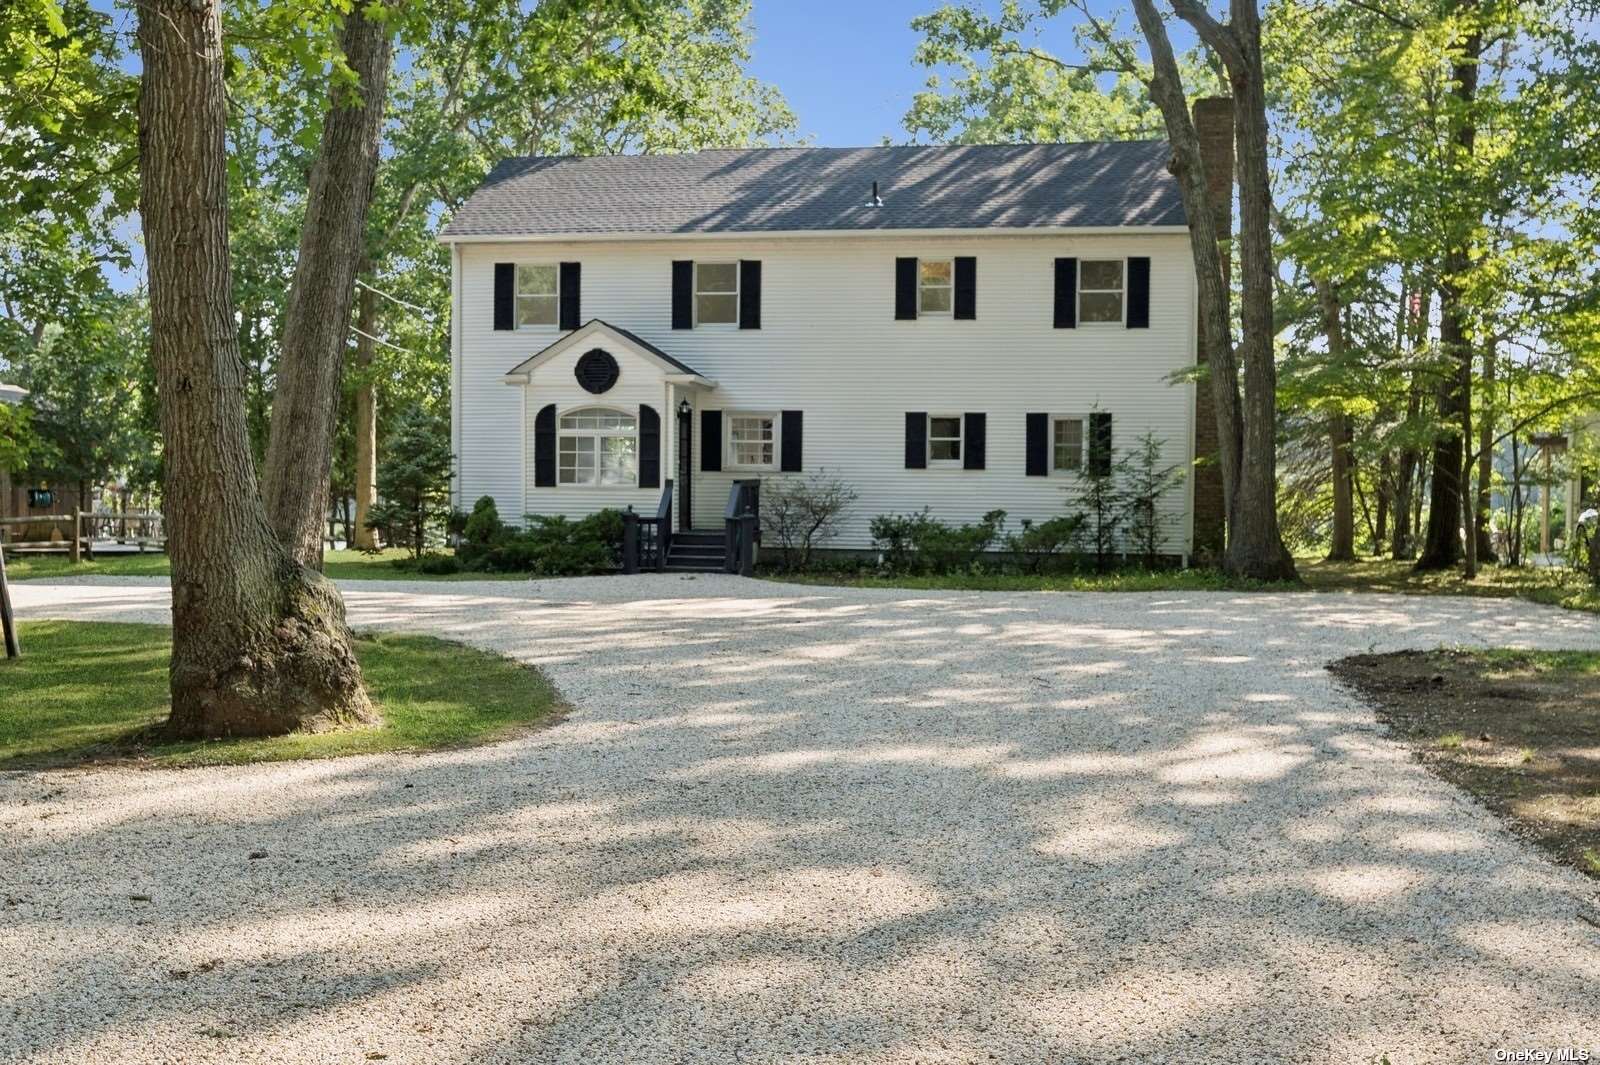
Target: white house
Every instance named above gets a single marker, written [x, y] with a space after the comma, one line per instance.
[958, 328]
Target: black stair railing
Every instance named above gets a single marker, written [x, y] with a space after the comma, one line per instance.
[646, 541]
[741, 524]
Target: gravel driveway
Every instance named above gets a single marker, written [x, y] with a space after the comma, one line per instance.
[808, 824]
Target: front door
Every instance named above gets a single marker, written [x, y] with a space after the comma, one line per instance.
[685, 486]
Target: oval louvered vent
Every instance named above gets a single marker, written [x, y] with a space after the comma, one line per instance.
[596, 371]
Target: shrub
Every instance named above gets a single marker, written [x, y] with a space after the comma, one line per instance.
[1034, 546]
[895, 538]
[438, 565]
[919, 544]
[799, 514]
[481, 532]
[551, 546]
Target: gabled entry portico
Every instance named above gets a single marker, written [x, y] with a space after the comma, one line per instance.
[594, 406]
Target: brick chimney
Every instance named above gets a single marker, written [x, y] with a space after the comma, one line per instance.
[1213, 122]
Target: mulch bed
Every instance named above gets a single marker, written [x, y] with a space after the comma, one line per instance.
[1520, 731]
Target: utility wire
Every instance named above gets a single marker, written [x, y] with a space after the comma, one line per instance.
[427, 314]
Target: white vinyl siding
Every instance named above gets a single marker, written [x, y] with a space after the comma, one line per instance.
[829, 346]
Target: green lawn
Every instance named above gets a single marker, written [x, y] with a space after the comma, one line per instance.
[1555, 587]
[86, 690]
[345, 565]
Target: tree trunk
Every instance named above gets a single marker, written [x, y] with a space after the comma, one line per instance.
[1380, 532]
[317, 323]
[366, 421]
[259, 643]
[1468, 499]
[1204, 207]
[1486, 552]
[1255, 545]
[1342, 547]
[1442, 546]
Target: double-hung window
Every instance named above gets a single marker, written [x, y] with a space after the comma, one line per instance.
[1100, 290]
[752, 441]
[935, 286]
[716, 293]
[538, 289]
[1066, 444]
[598, 447]
[944, 438]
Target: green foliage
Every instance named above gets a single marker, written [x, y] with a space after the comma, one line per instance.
[548, 547]
[87, 389]
[414, 483]
[1038, 544]
[1105, 505]
[992, 84]
[20, 445]
[1145, 481]
[918, 543]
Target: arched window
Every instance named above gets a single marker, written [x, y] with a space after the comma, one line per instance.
[598, 446]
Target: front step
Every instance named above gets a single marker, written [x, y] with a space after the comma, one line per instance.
[697, 551]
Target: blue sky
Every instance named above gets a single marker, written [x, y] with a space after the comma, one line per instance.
[844, 65]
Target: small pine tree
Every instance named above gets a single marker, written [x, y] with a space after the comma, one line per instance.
[413, 483]
[1102, 502]
[1145, 481]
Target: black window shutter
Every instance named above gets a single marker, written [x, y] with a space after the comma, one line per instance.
[711, 440]
[793, 422]
[544, 447]
[1100, 443]
[1139, 292]
[649, 447]
[1038, 449]
[571, 295]
[1066, 293]
[974, 445]
[916, 439]
[966, 289]
[749, 293]
[505, 295]
[682, 294]
[905, 289]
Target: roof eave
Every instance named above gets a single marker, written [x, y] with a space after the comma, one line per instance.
[809, 234]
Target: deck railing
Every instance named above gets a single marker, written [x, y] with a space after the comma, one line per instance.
[76, 534]
[645, 541]
[741, 525]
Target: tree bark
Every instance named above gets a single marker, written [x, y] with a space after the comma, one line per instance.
[317, 323]
[259, 643]
[1255, 545]
[1342, 546]
[1486, 552]
[1205, 243]
[1441, 547]
[366, 429]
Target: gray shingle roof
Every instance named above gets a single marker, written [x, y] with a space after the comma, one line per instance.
[770, 190]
